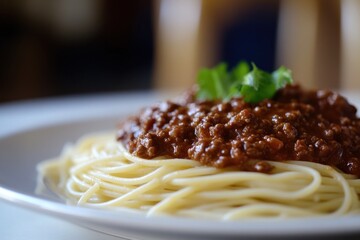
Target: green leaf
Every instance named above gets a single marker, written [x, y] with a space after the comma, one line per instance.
[282, 76]
[254, 86]
[240, 71]
[237, 75]
[206, 86]
[213, 83]
[257, 85]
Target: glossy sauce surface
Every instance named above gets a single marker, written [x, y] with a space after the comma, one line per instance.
[317, 126]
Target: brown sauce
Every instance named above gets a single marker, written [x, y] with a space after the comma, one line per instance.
[316, 126]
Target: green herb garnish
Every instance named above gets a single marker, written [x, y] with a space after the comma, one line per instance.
[254, 86]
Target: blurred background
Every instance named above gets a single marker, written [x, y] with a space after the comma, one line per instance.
[65, 47]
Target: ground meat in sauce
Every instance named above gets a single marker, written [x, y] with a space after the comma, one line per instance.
[317, 126]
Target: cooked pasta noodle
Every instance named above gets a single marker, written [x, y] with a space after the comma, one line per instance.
[98, 172]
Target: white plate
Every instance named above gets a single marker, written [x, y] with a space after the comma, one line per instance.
[31, 132]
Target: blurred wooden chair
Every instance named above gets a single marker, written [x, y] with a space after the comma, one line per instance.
[187, 37]
[350, 44]
[318, 39]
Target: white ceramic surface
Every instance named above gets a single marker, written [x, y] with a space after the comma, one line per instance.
[31, 132]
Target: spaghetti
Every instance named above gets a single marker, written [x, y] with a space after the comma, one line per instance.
[99, 172]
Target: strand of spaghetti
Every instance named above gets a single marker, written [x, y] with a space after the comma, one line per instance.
[324, 169]
[80, 174]
[265, 209]
[130, 195]
[150, 198]
[221, 204]
[116, 187]
[355, 183]
[318, 197]
[71, 189]
[330, 188]
[119, 169]
[332, 205]
[355, 198]
[90, 162]
[347, 200]
[79, 182]
[116, 191]
[171, 201]
[85, 197]
[190, 172]
[131, 181]
[230, 177]
[74, 192]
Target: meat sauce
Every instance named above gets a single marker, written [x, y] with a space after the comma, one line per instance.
[316, 126]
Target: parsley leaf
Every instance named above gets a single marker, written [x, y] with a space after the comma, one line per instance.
[254, 86]
[213, 83]
[257, 85]
[282, 77]
[237, 74]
